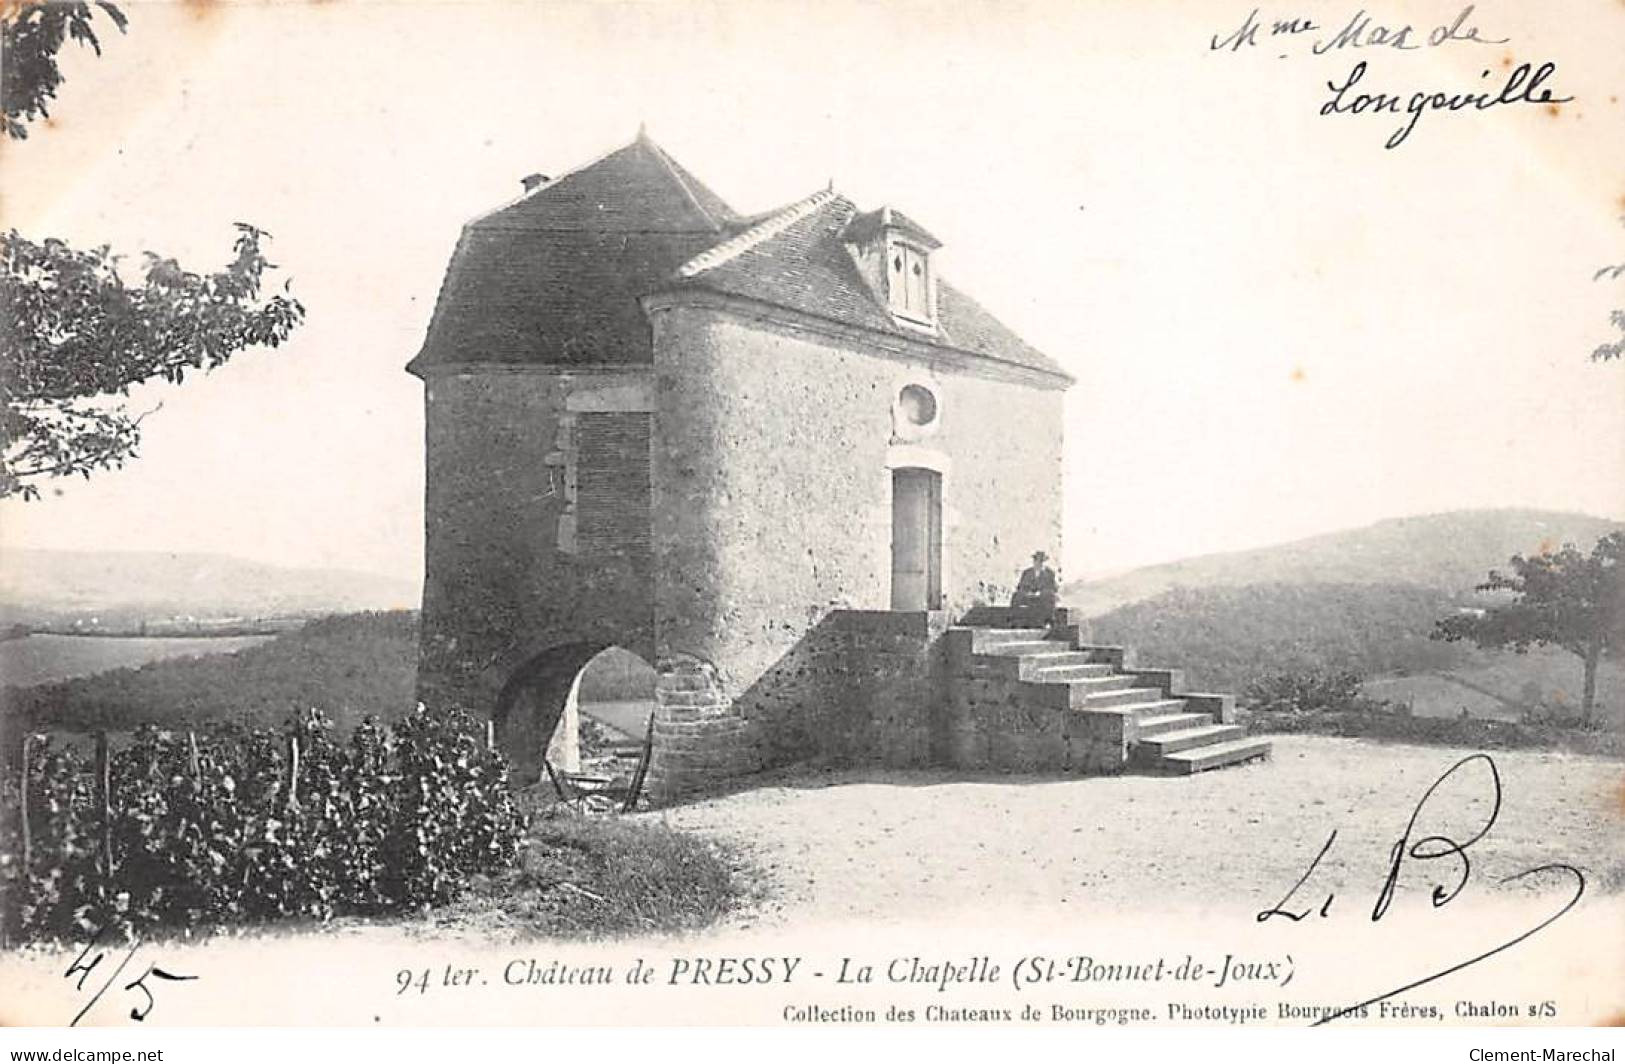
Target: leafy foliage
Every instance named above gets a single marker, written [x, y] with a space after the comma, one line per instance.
[33, 35]
[1612, 349]
[1315, 691]
[77, 338]
[455, 816]
[356, 665]
[1563, 599]
[230, 830]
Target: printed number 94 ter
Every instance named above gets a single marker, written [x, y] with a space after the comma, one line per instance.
[407, 978]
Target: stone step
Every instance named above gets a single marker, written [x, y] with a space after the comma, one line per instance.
[1044, 671]
[1162, 705]
[1169, 722]
[1145, 710]
[1058, 655]
[1202, 758]
[1021, 648]
[1190, 738]
[1092, 683]
[983, 640]
[1127, 696]
[990, 636]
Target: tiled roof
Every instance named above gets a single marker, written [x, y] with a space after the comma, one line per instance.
[762, 229]
[866, 226]
[555, 277]
[804, 265]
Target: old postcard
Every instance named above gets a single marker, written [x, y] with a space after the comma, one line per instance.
[1053, 516]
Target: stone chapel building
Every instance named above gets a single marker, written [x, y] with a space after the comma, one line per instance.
[775, 455]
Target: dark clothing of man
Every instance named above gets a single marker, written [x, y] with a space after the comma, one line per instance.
[1036, 589]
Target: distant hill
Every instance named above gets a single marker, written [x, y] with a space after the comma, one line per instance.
[1226, 637]
[1447, 551]
[349, 667]
[50, 586]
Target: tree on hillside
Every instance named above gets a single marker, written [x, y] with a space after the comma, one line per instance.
[75, 336]
[1561, 599]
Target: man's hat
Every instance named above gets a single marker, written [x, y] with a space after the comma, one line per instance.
[1039, 556]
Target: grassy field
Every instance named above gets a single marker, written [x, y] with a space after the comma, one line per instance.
[1502, 685]
[605, 877]
[1480, 733]
[46, 658]
[349, 666]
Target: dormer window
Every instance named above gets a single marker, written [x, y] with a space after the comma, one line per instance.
[893, 253]
[909, 284]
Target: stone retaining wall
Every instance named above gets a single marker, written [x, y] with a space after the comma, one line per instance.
[861, 688]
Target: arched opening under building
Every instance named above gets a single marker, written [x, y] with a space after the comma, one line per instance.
[584, 707]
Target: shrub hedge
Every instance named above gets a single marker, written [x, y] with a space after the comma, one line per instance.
[242, 825]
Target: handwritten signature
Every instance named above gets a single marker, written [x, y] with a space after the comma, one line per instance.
[84, 964]
[1358, 32]
[1458, 871]
[1523, 85]
[1519, 87]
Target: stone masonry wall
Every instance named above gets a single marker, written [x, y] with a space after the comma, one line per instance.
[509, 574]
[866, 687]
[994, 721]
[772, 460]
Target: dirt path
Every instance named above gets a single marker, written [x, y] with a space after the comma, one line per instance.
[882, 845]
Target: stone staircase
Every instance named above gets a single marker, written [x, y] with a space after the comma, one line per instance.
[1111, 716]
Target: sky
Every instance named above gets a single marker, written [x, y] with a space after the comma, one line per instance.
[1280, 327]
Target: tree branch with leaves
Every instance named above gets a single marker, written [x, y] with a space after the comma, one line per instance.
[75, 339]
[1562, 599]
[1612, 349]
[30, 37]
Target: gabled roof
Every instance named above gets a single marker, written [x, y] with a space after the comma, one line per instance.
[866, 226]
[797, 259]
[555, 277]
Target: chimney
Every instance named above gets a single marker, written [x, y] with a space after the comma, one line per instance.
[534, 181]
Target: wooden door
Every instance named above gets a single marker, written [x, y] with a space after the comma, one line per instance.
[916, 542]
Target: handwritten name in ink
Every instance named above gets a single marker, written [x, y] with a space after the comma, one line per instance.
[1414, 847]
[144, 985]
[1519, 86]
[1524, 84]
[1359, 31]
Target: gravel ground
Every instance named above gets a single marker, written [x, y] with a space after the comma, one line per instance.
[880, 865]
[879, 845]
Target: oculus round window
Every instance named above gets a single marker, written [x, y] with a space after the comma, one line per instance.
[917, 405]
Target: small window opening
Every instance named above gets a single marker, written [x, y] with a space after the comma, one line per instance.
[918, 405]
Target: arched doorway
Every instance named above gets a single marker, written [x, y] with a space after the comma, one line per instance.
[539, 710]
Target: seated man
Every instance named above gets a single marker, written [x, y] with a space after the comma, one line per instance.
[1036, 590]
